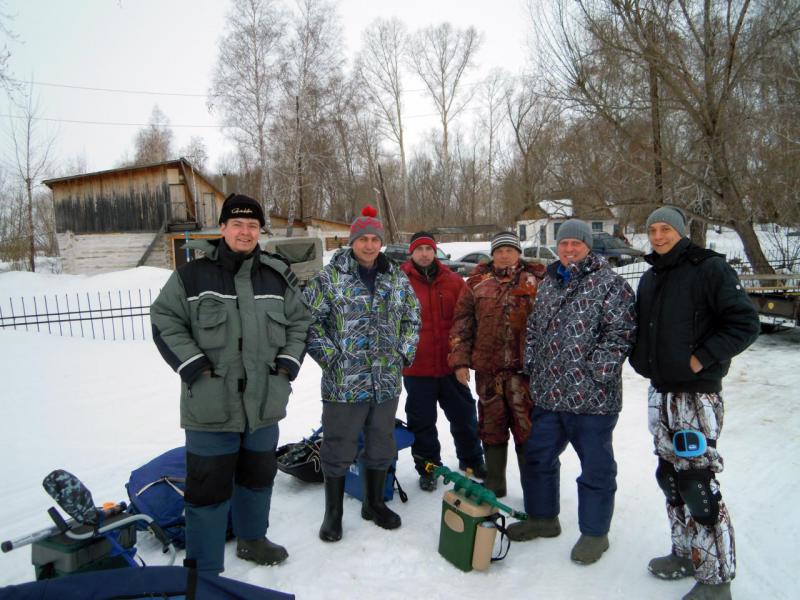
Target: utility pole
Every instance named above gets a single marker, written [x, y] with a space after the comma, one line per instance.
[391, 224]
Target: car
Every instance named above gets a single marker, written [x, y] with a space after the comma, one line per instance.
[543, 255]
[616, 251]
[399, 254]
[473, 259]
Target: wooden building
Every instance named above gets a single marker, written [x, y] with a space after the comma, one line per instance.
[127, 217]
[143, 215]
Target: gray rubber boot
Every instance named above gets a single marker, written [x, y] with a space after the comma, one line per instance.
[671, 566]
[705, 591]
[496, 458]
[261, 551]
[589, 549]
[534, 528]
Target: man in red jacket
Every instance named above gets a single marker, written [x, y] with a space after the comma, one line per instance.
[429, 379]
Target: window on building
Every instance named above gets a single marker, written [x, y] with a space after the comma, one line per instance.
[597, 226]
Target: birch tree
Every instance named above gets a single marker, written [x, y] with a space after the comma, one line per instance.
[441, 55]
[244, 81]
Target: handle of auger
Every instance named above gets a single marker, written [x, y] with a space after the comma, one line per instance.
[31, 538]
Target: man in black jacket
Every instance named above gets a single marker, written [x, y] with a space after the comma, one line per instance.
[694, 317]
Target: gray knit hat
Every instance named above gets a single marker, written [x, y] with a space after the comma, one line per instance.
[671, 215]
[575, 229]
[506, 238]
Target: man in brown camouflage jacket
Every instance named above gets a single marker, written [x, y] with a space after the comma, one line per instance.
[488, 336]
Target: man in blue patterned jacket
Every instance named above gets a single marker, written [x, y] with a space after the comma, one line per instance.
[581, 330]
[364, 331]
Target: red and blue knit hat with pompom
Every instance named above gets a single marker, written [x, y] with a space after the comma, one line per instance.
[366, 224]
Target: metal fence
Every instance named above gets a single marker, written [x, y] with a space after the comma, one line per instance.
[117, 315]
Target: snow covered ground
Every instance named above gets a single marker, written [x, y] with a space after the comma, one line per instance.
[101, 408]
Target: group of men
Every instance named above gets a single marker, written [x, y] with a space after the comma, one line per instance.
[547, 346]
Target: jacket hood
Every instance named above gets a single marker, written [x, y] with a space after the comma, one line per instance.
[684, 248]
[209, 247]
[593, 262]
[409, 269]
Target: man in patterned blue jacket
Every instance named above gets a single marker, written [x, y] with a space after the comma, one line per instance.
[581, 330]
[364, 331]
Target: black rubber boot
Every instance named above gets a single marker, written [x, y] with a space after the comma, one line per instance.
[496, 458]
[331, 529]
[373, 507]
[261, 551]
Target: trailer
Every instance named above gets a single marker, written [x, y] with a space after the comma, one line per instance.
[776, 297]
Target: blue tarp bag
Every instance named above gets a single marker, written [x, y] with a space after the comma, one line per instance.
[157, 489]
[353, 482]
[173, 583]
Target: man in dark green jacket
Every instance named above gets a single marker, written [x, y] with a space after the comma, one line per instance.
[694, 317]
[233, 326]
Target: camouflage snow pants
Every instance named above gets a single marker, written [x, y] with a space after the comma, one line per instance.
[504, 402]
[711, 547]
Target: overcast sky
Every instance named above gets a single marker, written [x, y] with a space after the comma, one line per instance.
[164, 51]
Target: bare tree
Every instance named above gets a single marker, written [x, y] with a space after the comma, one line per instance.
[196, 153]
[441, 56]
[153, 144]
[244, 81]
[700, 53]
[31, 155]
[532, 116]
[380, 71]
[311, 62]
[492, 94]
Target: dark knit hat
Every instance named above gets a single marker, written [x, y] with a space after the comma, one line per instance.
[505, 238]
[422, 238]
[367, 224]
[575, 229]
[671, 215]
[239, 206]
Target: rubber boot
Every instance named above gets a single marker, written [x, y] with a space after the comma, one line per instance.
[671, 566]
[533, 528]
[331, 529]
[706, 591]
[589, 549]
[496, 458]
[373, 508]
[261, 551]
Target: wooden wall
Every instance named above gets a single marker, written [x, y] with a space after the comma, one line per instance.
[116, 201]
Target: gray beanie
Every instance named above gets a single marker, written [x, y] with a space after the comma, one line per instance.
[575, 229]
[505, 238]
[671, 215]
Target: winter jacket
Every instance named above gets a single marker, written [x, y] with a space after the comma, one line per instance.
[579, 335]
[691, 302]
[437, 299]
[362, 341]
[488, 333]
[225, 326]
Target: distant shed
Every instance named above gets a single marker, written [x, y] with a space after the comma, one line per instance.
[124, 217]
[143, 215]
